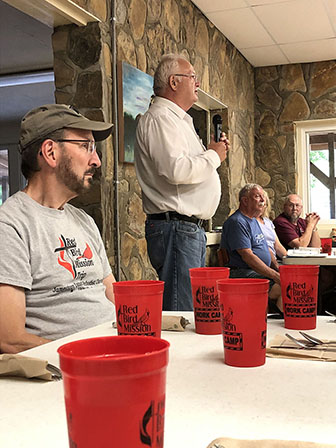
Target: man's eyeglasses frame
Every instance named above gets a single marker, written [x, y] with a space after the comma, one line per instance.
[88, 145]
[192, 75]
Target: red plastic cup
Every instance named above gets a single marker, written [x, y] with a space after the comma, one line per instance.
[205, 298]
[114, 390]
[139, 307]
[326, 244]
[299, 288]
[243, 303]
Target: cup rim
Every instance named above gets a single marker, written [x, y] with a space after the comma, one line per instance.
[162, 345]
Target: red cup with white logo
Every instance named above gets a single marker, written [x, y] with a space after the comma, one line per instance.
[243, 303]
[326, 245]
[205, 298]
[139, 307]
[114, 390]
[299, 290]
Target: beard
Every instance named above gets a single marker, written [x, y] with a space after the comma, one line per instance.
[294, 217]
[70, 179]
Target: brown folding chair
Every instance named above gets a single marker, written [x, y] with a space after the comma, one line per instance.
[223, 257]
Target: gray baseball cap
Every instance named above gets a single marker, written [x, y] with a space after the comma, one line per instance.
[42, 121]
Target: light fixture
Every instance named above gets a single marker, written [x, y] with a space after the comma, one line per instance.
[20, 79]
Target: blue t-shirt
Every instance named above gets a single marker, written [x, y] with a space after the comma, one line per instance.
[242, 232]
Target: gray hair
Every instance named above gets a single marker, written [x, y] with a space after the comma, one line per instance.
[246, 190]
[291, 194]
[169, 64]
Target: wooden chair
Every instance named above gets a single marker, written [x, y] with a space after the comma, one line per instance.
[223, 257]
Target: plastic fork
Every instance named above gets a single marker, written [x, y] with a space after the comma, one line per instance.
[56, 373]
[316, 341]
[300, 343]
[307, 345]
[330, 314]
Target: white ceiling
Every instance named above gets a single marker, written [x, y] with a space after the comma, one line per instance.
[276, 32]
[267, 32]
[25, 47]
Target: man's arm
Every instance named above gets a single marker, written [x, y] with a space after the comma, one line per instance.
[169, 150]
[279, 249]
[13, 336]
[258, 265]
[308, 238]
[315, 239]
[274, 262]
[109, 288]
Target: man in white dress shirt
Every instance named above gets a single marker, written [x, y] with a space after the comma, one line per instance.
[178, 178]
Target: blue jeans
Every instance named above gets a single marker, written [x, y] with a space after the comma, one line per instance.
[173, 248]
[248, 273]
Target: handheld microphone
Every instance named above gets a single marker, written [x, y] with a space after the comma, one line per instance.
[217, 122]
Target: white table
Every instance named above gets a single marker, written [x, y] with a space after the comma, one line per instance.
[321, 261]
[206, 399]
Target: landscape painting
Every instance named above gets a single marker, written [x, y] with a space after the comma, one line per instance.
[134, 96]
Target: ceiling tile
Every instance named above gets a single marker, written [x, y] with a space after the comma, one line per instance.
[295, 21]
[263, 56]
[219, 5]
[241, 27]
[322, 50]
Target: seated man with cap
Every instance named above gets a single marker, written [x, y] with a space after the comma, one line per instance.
[55, 278]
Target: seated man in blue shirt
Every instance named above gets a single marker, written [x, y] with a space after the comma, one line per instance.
[244, 241]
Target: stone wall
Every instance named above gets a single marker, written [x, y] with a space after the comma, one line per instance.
[145, 31]
[82, 66]
[285, 94]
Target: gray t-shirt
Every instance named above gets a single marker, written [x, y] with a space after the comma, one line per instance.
[58, 257]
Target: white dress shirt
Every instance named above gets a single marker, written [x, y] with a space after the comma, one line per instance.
[175, 171]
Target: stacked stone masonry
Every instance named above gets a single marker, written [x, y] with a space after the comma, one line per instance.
[262, 105]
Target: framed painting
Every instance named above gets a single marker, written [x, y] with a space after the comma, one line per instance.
[135, 89]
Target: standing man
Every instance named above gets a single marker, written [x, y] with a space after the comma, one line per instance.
[178, 178]
[294, 231]
[55, 278]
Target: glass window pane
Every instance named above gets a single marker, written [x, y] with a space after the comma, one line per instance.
[319, 198]
[4, 184]
[321, 160]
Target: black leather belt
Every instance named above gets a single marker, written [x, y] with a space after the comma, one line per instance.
[174, 216]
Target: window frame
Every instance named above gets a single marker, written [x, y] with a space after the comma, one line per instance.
[302, 131]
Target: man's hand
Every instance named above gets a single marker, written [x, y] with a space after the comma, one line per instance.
[310, 237]
[312, 219]
[222, 147]
[276, 277]
[255, 263]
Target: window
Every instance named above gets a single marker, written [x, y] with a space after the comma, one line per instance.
[322, 173]
[11, 179]
[315, 156]
[4, 176]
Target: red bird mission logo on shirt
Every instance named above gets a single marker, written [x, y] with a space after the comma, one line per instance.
[72, 258]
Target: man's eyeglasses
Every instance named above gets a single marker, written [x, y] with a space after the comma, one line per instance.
[193, 76]
[88, 145]
[290, 205]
